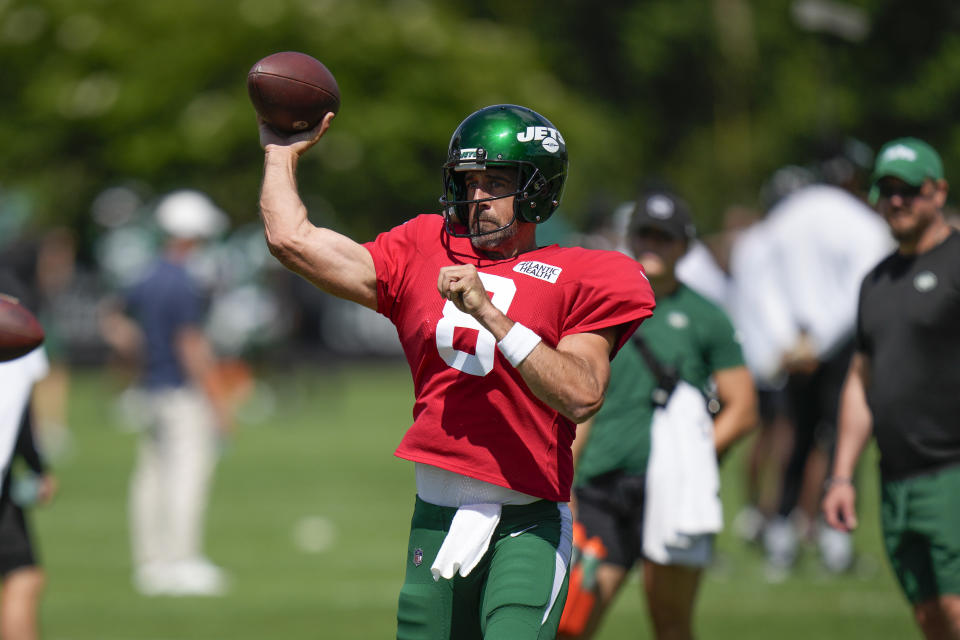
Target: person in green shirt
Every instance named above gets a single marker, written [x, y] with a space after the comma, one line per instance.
[693, 339]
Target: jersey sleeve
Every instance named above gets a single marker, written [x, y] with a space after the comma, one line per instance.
[391, 251]
[611, 290]
[723, 346]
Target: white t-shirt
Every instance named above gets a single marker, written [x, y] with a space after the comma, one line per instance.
[17, 378]
[799, 270]
[698, 269]
[758, 306]
[825, 241]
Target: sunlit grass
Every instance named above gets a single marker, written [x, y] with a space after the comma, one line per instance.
[310, 513]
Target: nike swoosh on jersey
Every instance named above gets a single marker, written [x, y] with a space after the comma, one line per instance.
[516, 533]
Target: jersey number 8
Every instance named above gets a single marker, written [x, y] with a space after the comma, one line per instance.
[479, 363]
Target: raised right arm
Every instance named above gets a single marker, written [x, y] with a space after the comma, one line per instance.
[329, 260]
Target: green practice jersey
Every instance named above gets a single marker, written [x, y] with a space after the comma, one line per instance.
[687, 332]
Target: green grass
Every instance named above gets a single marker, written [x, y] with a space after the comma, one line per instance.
[326, 454]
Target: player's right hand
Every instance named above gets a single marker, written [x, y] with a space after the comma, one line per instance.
[296, 142]
[461, 285]
[839, 507]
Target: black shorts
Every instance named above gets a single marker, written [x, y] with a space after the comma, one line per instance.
[771, 404]
[16, 550]
[815, 398]
[611, 506]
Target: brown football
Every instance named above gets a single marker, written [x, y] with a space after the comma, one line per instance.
[20, 332]
[292, 91]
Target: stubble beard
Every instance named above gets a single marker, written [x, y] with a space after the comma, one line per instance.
[493, 241]
[911, 232]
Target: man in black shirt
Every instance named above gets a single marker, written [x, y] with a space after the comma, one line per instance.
[903, 386]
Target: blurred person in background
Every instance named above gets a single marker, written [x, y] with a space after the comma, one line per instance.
[55, 281]
[902, 387]
[605, 225]
[705, 267]
[500, 381]
[732, 267]
[23, 578]
[61, 292]
[817, 242]
[761, 316]
[689, 339]
[185, 410]
[761, 313]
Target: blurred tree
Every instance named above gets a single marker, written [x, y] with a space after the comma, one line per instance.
[100, 93]
[715, 96]
[710, 96]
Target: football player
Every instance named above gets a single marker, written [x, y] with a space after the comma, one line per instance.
[509, 344]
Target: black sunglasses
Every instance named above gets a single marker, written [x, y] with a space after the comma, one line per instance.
[905, 191]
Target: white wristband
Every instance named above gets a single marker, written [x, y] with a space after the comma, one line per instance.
[518, 343]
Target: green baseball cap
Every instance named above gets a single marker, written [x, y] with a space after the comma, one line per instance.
[910, 159]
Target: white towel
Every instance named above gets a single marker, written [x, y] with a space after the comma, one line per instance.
[682, 482]
[467, 541]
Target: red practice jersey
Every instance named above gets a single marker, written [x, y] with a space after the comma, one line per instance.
[474, 414]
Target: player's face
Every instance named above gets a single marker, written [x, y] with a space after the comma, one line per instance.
[487, 216]
[909, 209]
[657, 251]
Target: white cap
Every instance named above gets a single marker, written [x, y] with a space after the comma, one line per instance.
[190, 214]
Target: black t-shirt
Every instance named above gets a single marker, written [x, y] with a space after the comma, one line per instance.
[909, 326]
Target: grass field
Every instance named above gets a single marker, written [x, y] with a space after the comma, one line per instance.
[310, 514]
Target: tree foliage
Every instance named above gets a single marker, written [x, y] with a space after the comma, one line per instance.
[709, 95]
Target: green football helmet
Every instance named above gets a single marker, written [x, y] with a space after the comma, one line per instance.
[505, 135]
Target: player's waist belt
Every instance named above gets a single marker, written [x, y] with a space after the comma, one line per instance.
[448, 489]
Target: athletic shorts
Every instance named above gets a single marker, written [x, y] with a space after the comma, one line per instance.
[516, 592]
[815, 398]
[921, 532]
[611, 506]
[16, 550]
[771, 404]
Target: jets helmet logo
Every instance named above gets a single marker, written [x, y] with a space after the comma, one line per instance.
[548, 137]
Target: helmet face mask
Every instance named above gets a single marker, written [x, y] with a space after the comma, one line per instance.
[509, 137]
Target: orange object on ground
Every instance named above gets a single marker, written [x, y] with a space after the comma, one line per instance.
[581, 594]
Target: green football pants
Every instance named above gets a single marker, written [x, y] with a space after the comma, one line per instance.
[516, 592]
